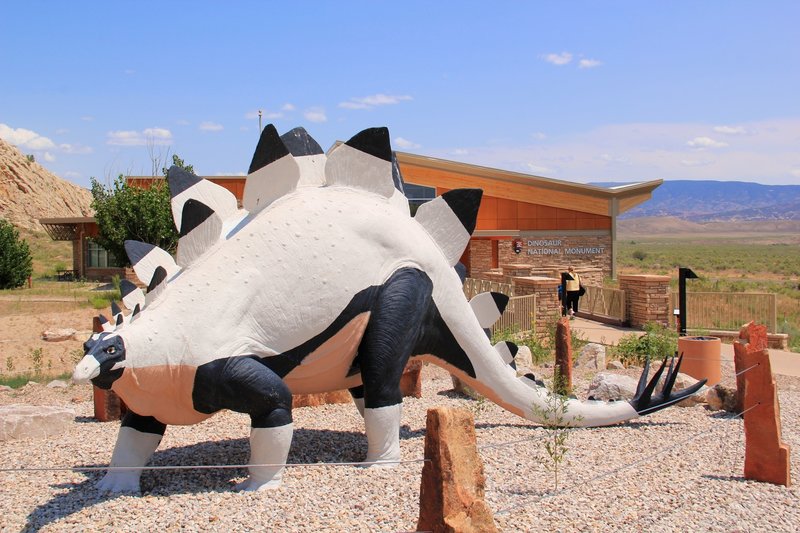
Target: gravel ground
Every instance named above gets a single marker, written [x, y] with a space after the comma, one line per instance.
[676, 470]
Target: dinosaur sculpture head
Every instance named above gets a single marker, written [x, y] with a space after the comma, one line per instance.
[103, 360]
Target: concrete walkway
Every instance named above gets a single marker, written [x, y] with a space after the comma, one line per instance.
[783, 362]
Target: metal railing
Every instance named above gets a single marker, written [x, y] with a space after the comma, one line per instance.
[520, 315]
[474, 287]
[727, 310]
[603, 302]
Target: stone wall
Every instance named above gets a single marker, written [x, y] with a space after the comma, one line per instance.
[557, 251]
[480, 256]
[646, 299]
[546, 291]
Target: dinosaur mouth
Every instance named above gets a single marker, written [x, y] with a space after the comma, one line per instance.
[87, 369]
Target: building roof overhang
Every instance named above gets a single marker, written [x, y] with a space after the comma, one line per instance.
[430, 171]
[64, 229]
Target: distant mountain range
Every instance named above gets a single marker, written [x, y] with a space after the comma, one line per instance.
[711, 201]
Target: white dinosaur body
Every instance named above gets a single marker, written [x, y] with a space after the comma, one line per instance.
[317, 288]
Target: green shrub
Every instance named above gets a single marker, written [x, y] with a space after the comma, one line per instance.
[16, 264]
[658, 342]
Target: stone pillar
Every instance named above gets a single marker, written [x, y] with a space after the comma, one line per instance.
[480, 257]
[646, 299]
[766, 455]
[451, 496]
[516, 269]
[563, 366]
[547, 304]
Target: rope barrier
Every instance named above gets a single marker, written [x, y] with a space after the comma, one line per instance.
[623, 467]
[201, 467]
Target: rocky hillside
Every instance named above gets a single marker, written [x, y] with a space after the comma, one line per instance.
[28, 192]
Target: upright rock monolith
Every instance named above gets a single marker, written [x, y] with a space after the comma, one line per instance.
[451, 497]
[563, 367]
[766, 455]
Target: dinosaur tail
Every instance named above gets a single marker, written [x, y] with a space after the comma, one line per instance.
[490, 370]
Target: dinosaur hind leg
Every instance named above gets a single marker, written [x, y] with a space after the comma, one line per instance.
[245, 385]
[393, 330]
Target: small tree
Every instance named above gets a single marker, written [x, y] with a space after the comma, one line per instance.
[554, 418]
[134, 213]
[16, 264]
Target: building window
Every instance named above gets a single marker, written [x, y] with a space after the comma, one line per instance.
[98, 257]
[418, 195]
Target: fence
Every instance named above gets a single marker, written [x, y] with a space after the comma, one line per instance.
[520, 315]
[727, 310]
[604, 303]
[473, 287]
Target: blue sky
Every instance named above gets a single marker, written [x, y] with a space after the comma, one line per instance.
[580, 91]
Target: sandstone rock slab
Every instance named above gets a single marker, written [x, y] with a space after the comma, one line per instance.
[19, 421]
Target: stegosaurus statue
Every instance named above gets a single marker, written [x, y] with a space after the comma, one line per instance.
[323, 281]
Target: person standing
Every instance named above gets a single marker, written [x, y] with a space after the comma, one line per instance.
[573, 290]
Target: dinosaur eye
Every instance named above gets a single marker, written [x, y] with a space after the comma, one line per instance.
[111, 350]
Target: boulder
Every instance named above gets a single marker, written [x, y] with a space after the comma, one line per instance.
[615, 365]
[683, 381]
[58, 335]
[524, 359]
[33, 421]
[606, 386]
[58, 384]
[722, 398]
[592, 356]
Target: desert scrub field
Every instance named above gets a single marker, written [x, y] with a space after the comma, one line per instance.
[725, 266]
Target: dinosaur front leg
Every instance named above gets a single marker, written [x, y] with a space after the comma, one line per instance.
[138, 438]
[393, 330]
[245, 385]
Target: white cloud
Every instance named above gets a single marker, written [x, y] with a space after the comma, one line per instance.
[558, 59]
[315, 114]
[706, 142]
[405, 143]
[614, 159]
[697, 162]
[589, 63]
[87, 118]
[537, 169]
[183, 122]
[539, 136]
[269, 115]
[75, 149]
[72, 175]
[375, 100]
[210, 126]
[23, 138]
[768, 154]
[156, 136]
[730, 130]
[48, 157]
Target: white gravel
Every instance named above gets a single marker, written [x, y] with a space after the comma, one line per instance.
[676, 470]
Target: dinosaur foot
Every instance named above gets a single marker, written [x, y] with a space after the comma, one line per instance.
[119, 482]
[252, 485]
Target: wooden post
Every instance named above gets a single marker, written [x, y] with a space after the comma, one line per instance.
[451, 496]
[107, 405]
[563, 366]
[766, 455]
